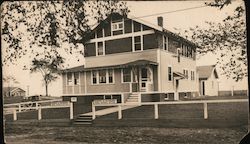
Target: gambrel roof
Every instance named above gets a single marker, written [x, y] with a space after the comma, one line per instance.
[206, 71]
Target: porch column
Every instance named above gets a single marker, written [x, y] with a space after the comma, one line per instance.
[176, 95]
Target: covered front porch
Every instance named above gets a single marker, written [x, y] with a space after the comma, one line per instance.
[143, 76]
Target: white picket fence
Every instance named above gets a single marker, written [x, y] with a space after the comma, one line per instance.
[156, 105]
[37, 105]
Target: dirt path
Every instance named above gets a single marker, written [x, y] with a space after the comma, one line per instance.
[76, 135]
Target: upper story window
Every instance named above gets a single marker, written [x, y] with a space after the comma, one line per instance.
[76, 78]
[170, 73]
[126, 75]
[192, 75]
[185, 72]
[165, 43]
[178, 54]
[69, 79]
[137, 43]
[100, 48]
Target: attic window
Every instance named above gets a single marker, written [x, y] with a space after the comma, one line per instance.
[117, 25]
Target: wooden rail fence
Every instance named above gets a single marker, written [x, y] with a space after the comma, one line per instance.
[156, 105]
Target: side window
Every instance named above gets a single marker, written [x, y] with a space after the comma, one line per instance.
[165, 43]
[69, 79]
[178, 54]
[169, 73]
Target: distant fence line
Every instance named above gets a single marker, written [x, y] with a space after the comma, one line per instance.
[37, 105]
[233, 92]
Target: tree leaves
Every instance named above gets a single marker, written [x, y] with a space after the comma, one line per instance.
[228, 39]
[50, 24]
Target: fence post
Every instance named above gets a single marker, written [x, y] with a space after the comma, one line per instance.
[71, 112]
[93, 111]
[119, 112]
[36, 105]
[205, 111]
[39, 113]
[14, 115]
[140, 98]
[156, 111]
[122, 98]
[19, 108]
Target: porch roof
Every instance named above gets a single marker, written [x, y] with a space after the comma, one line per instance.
[178, 75]
[132, 63]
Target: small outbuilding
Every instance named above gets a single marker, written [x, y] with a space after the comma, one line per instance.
[208, 80]
[13, 92]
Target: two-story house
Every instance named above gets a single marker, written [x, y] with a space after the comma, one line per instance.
[132, 60]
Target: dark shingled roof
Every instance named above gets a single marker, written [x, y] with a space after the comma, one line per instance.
[74, 69]
[206, 71]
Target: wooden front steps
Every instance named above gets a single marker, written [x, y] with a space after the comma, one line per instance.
[84, 120]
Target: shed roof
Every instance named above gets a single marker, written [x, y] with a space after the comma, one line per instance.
[206, 71]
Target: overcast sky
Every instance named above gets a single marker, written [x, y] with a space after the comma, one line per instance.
[173, 21]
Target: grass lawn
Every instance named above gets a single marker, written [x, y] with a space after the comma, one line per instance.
[63, 135]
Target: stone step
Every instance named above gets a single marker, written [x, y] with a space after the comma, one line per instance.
[82, 123]
[132, 100]
[83, 120]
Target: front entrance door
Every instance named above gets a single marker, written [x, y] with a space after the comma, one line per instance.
[145, 79]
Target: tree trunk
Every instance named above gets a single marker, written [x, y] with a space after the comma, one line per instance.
[46, 88]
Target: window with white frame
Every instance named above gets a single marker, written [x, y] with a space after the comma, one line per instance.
[137, 43]
[102, 76]
[117, 25]
[170, 75]
[100, 48]
[192, 75]
[94, 77]
[165, 43]
[69, 79]
[76, 78]
[178, 54]
[126, 75]
[110, 76]
[185, 72]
